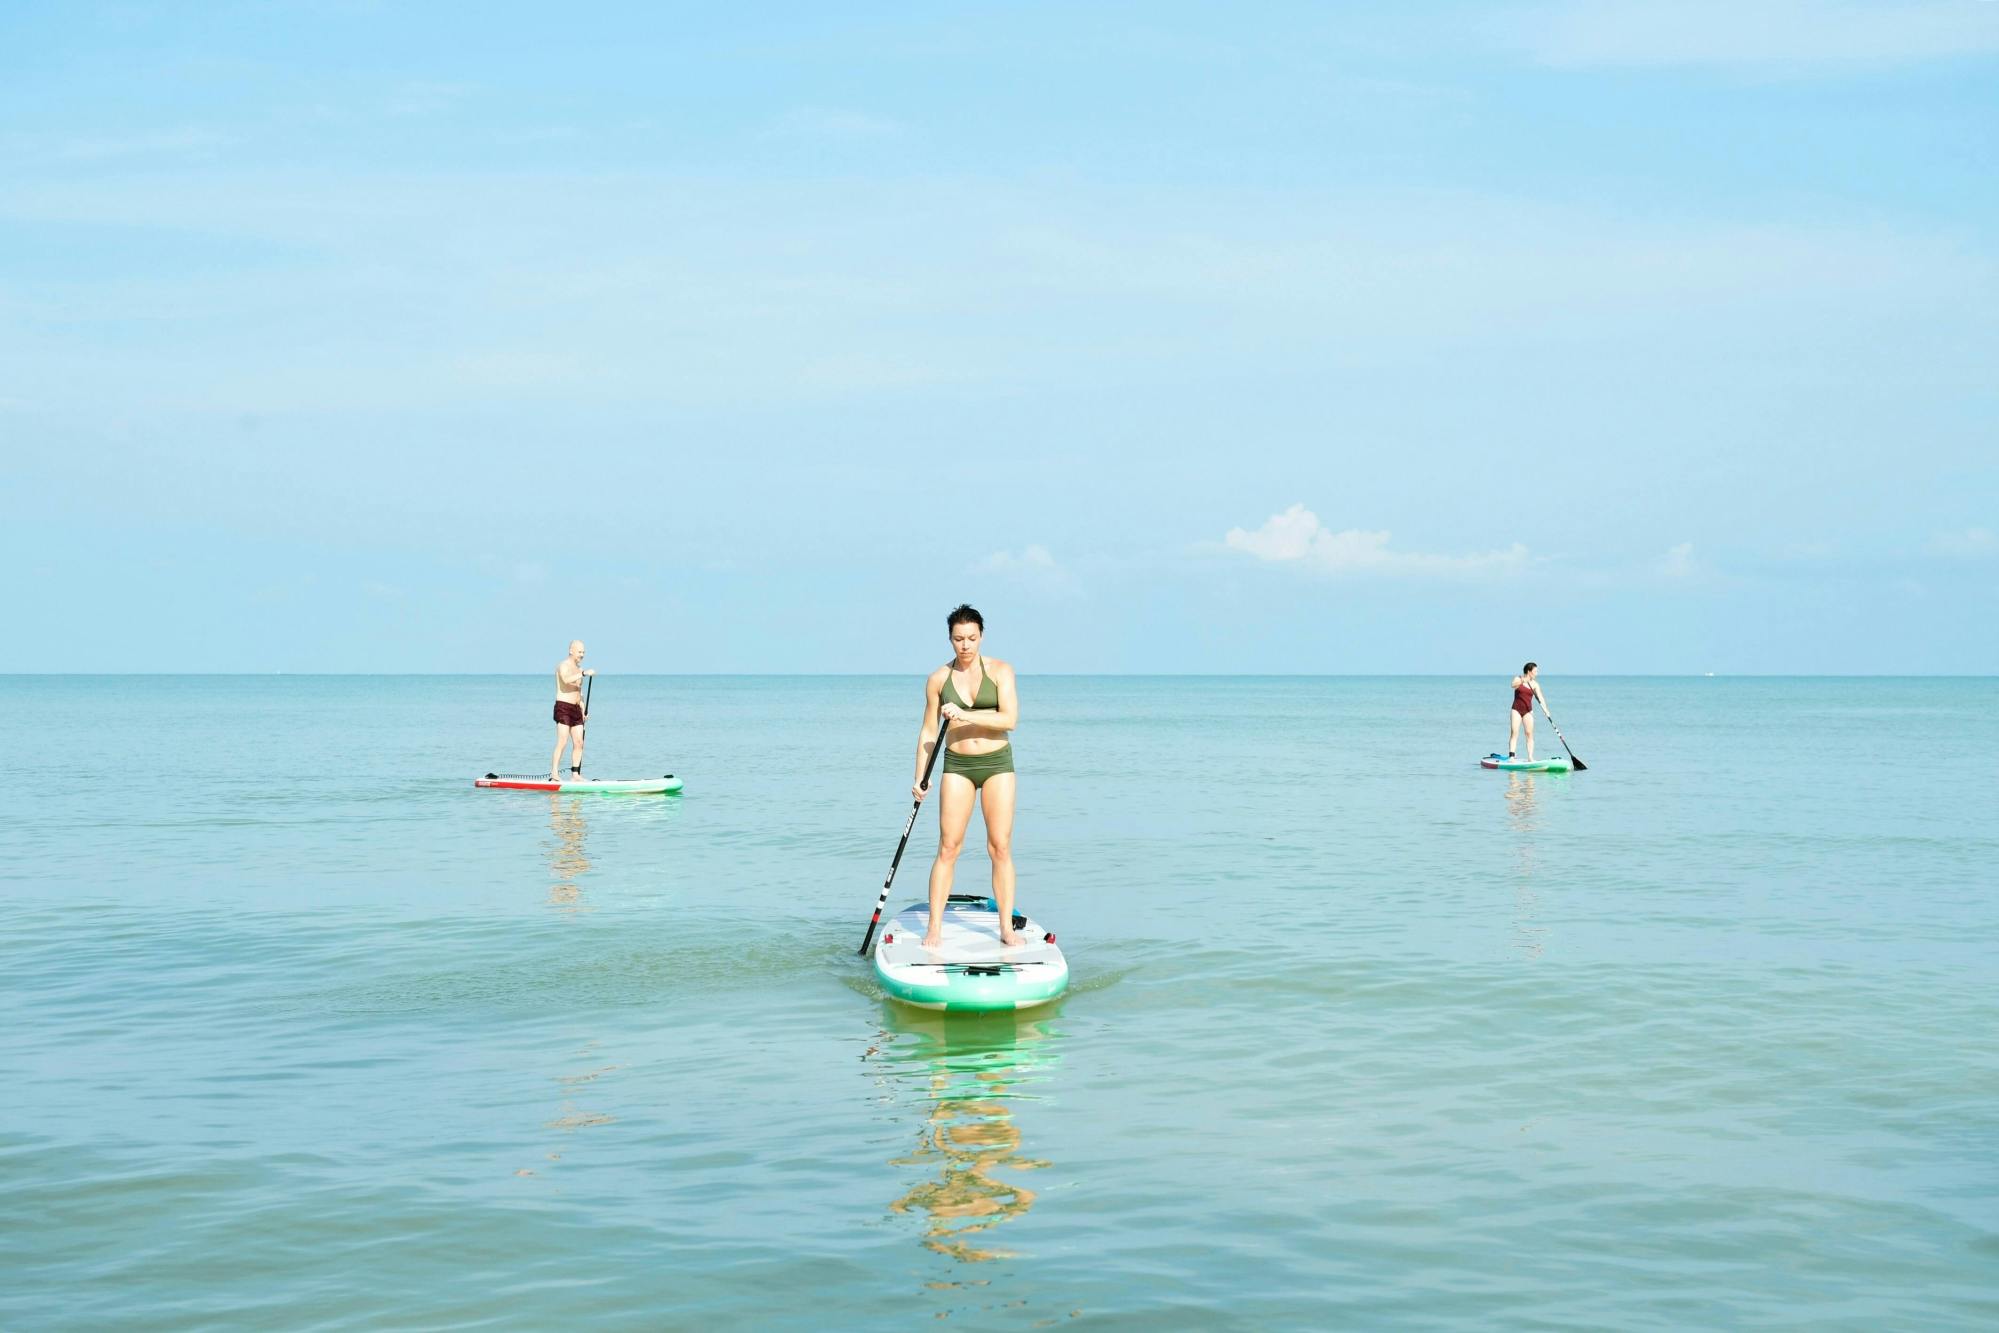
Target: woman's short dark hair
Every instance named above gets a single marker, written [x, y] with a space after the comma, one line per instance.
[1523, 670]
[963, 612]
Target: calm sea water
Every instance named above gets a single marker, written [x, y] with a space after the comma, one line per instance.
[300, 1030]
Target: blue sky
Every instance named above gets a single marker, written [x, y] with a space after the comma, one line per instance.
[1268, 337]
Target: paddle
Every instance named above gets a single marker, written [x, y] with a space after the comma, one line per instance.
[590, 679]
[868, 940]
[1580, 766]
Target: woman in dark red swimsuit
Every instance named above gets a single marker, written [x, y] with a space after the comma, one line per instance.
[1526, 690]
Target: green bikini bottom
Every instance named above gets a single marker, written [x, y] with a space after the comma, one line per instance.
[979, 767]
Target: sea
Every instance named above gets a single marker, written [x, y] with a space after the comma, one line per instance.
[300, 1030]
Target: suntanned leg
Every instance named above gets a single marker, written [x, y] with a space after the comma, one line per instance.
[555, 760]
[1527, 720]
[996, 803]
[1512, 733]
[954, 812]
[576, 750]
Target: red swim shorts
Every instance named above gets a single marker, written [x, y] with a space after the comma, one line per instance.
[568, 714]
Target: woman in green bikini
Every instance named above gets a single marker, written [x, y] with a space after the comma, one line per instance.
[977, 695]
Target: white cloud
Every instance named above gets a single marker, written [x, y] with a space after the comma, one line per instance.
[1754, 32]
[1030, 557]
[1971, 544]
[183, 142]
[1033, 564]
[1679, 562]
[621, 290]
[863, 372]
[822, 122]
[425, 98]
[1297, 537]
[539, 134]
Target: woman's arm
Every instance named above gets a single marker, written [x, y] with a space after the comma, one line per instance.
[926, 737]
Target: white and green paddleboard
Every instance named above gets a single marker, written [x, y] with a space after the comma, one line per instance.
[970, 970]
[663, 786]
[1525, 765]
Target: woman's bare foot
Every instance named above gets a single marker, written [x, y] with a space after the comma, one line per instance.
[933, 941]
[1010, 938]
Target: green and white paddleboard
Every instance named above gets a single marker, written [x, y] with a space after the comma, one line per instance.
[970, 970]
[664, 786]
[1524, 765]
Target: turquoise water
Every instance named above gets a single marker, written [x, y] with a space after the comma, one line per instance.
[303, 1031]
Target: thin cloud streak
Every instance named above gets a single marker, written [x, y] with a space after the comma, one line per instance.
[1584, 33]
[649, 289]
[1034, 565]
[837, 124]
[1296, 537]
[1970, 544]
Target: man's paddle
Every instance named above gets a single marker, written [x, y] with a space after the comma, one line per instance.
[867, 941]
[1580, 766]
[589, 679]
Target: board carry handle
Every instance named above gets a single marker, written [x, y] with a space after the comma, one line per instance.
[1019, 921]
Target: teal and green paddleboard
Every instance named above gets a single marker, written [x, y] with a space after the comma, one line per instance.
[664, 786]
[970, 969]
[1524, 765]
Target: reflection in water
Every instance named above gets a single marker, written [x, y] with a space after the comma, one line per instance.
[968, 1073]
[574, 1116]
[1520, 801]
[568, 862]
[1529, 935]
[569, 858]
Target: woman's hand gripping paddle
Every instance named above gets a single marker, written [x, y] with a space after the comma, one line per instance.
[1578, 764]
[867, 941]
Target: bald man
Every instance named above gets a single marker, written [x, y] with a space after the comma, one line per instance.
[569, 714]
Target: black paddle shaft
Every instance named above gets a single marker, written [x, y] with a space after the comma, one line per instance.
[588, 681]
[868, 940]
[1580, 766]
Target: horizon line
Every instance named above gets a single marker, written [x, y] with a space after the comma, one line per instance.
[1073, 675]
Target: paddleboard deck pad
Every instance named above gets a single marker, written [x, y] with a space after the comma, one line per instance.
[602, 786]
[970, 971]
[1524, 765]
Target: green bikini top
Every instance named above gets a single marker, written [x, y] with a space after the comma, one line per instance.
[985, 697]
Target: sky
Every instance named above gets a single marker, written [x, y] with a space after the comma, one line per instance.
[1263, 337]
